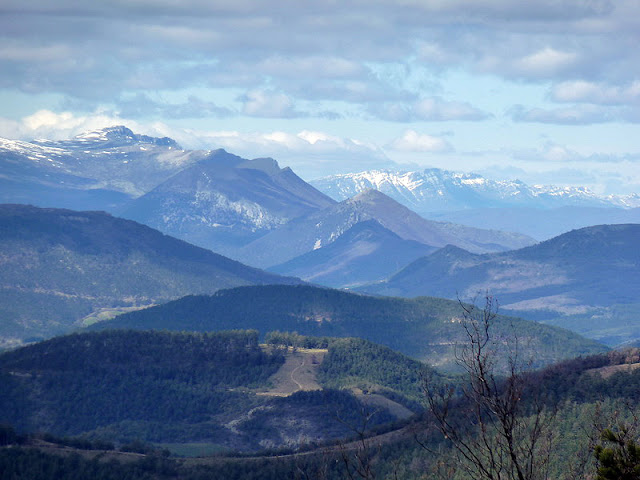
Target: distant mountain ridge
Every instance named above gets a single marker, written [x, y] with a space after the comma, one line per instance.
[539, 211]
[212, 198]
[225, 201]
[100, 170]
[366, 252]
[60, 266]
[434, 189]
[584, 272]
[321, 228]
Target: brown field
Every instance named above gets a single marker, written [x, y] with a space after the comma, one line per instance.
[299, 373]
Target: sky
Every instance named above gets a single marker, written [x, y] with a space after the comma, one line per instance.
[545, 91]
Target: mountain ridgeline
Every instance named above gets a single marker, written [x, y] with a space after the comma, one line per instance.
[61, 266]
[540, 211]
[586, 273]
[224, 201]
[318, 230]
[213, 199]
[423, 328]
[366, 252]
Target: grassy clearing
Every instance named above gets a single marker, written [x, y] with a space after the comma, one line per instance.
[103, 314]
[299, 372]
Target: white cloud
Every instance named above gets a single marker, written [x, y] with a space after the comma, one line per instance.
[547, 62]
[598, 93]
[573, 115]
[433, 109]
[412, 141]
[59, 126]
[554, 152]
[266, 103]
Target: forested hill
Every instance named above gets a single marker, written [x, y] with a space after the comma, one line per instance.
[58, 266]
[99, 380]
[424, 328]
[220, 389]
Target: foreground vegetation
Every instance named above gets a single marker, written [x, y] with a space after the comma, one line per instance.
[120, 387]
[210, 389]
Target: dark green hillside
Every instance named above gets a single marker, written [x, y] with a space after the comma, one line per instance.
[423, 328]
[83, 382]
[590, 394]
[353, 362]
[210, 389]
[59, 266]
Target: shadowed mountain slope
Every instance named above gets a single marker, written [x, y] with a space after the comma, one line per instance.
[318, 229]
[60, 266]
[366, 252]
[582, 271]
[225, 201]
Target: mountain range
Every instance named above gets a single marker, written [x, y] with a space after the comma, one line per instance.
[213, 199]
[100, 170]
[62, 267]
[266, 216]
[318, 230]
[434, 189]
[540, 211]
[584, 272]
[224, 201]
[366, 252]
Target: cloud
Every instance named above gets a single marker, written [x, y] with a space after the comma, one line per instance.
[58, 126]
[553, 152]
[432, 109]
[98, 49]
[573, 115]
[270, 104]
[412, 141]
[142, 105]
[598, 93]
[545, 63]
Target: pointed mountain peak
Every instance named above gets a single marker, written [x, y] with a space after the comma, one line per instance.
[452, 252]
[371, 195]
[369, 227]
[221, 158]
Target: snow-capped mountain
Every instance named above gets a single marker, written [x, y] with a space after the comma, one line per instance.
[95, 170]
[434, 190]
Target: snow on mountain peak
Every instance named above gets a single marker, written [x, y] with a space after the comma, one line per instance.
[434, 189]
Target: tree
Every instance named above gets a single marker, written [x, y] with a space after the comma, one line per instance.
[619, 458]
[496, 433]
